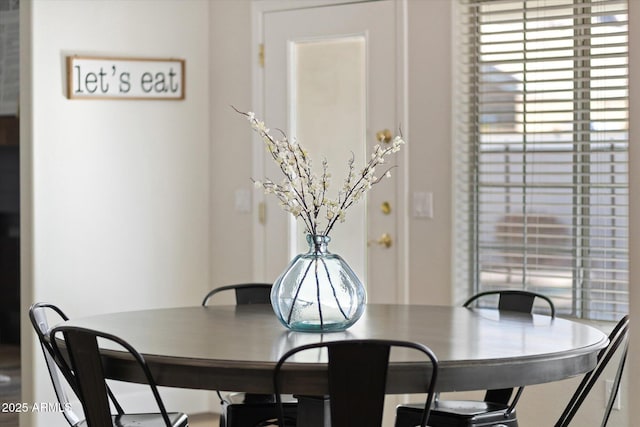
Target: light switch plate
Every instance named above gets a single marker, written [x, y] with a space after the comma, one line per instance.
[423, 204]
[608, 386]
[242, 203]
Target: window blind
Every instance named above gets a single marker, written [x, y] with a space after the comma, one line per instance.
[541, 95]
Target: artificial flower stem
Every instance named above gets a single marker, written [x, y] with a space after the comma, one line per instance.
[295, 298]
[333, 288]
[315, 262]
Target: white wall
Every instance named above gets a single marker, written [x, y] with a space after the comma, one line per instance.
[231, 153]
[115, 208]
[430, 149]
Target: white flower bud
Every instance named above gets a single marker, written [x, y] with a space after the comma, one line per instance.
[302, 193]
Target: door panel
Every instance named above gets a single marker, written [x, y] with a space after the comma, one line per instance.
[330, 81]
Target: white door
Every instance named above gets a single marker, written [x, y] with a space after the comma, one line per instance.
[330, 78]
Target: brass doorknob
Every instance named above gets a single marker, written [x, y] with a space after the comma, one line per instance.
[384, 136]
[384, 240]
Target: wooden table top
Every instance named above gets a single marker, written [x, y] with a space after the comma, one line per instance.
[236, 347]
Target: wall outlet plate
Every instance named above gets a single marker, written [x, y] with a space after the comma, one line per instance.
[608, 385]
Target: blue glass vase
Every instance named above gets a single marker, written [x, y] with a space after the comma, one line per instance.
[318, 291]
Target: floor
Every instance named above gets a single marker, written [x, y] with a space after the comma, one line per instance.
[203, 420]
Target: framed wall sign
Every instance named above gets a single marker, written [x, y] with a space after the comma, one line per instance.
[125, 78]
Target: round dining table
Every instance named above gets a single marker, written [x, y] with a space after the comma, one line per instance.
[229, 347]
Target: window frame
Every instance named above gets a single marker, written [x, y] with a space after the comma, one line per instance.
[467, 136]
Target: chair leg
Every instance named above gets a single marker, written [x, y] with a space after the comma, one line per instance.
[313, 411]
[408, 417]
[499, 396]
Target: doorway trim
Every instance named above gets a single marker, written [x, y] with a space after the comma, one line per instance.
[259, 8]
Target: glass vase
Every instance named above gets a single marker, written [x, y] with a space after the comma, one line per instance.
[318, 291]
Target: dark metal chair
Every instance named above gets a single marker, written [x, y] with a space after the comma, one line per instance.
[249, 409]
[59, 372]
[496, 409]
[357, 376]
[618, 342]
[511, 300]
[59, 375]
[246, 293]
[81, 358]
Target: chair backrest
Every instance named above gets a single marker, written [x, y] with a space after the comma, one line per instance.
[85, 362]
[357, 375]
[246, 293]
[57, 371]
[514, 300]
[618, 343]
[58, 368]
[510, 300]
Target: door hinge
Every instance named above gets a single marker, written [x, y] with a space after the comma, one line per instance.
[262, 213]
[261, 55]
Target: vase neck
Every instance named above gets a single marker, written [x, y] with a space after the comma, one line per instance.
[318, 243]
